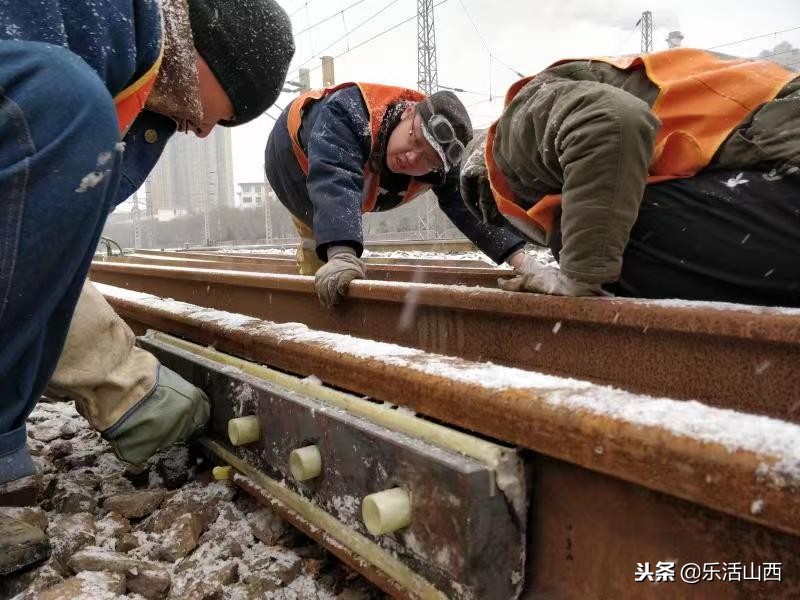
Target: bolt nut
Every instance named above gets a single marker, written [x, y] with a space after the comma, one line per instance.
[305, 463]
[387, 511]
[244, 430]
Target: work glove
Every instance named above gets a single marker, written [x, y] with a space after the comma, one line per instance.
[334, 277]
[476, 193]
[308, 263]
[533, 276]
[172, 413]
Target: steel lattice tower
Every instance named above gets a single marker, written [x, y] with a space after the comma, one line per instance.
[427, 76]
[427, 83]
[647, 31]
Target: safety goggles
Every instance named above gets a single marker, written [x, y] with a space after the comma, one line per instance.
[442, 133]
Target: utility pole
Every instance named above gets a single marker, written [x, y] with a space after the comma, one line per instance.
[328, 76]
[150, 223]
[137, 226]
[427, 75]
[303, 83]
[267, 211]
[647, 32]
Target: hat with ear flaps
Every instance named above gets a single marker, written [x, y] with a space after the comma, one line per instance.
[445, 104]
[248, 45]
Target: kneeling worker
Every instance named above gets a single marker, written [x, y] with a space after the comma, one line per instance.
[361, 147]
[669, 175]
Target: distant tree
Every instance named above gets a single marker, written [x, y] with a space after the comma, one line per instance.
[783, 54]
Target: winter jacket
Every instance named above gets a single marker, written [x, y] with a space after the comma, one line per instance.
[337, 138]
[586, 130]
[120, 40]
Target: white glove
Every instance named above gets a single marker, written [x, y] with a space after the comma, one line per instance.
[334, 277]
[533, 276]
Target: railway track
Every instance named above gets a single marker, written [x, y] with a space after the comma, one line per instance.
[445, 245]
[586, 481]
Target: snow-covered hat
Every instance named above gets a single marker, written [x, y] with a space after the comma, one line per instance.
[248, 45]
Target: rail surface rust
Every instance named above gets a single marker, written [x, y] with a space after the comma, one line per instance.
[728, 356]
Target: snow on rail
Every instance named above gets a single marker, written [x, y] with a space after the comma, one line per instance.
[731, 429]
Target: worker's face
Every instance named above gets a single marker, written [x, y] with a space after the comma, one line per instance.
[215, 102]
[407, 151]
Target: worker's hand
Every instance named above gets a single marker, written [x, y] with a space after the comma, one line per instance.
[533, 276]
[334, 277]
[476, 192]
[172, 413]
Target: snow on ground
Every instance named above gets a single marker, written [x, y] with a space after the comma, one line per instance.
[167, 532]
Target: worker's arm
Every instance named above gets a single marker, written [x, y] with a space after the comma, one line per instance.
[496, 241]
[337, 151]
[593, 143]
[336, 157]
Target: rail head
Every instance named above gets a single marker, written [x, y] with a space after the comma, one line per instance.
[780, 325]
[741, 464]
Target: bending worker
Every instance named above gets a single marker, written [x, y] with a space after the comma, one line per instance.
[127, 74]
[361, 147]
[669, 175]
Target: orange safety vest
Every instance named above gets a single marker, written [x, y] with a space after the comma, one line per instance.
[130, 101]
[378, 99]
[701, 100]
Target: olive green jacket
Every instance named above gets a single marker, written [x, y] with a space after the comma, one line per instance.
[585, 130]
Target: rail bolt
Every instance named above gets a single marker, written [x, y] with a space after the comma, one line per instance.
[387, 511]
[244, 430]
[221, 473]
[305, 463]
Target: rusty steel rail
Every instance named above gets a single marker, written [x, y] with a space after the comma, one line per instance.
[446, 245]
[731, 357]
[444, 275]
[595, 450]
[283, 258]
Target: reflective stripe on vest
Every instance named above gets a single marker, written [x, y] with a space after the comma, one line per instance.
[378, 99]
[701, 100]
[130, 101]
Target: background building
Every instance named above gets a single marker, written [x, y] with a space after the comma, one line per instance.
[192, 175]
[251, 194]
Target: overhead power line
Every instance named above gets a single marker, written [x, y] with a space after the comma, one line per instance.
[347, 33]
[758, 37]
[298, 9]
[328, 18]
[367, 41]
[491, 54]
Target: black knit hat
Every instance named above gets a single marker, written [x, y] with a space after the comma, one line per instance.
[248, 45]
[446, 104]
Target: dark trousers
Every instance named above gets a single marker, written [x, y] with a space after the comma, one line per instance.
[59, 172]
[722, 236]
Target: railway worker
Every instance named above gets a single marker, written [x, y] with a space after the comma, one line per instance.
[361, 147]
[89, 95]
[669, 175]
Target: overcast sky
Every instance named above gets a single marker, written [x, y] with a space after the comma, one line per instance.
[526, 35]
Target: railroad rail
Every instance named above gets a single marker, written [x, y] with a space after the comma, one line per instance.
[604, 479]
[379, 270]
[724, 355]
[444, 245]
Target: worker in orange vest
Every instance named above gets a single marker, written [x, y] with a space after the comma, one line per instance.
[364, 147]
[669, 175]
[89, 95]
